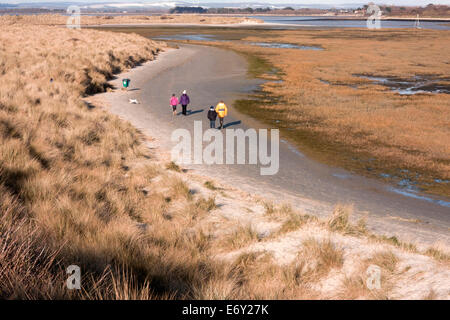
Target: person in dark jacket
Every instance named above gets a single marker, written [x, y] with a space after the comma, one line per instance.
[212, 115]
[184, 101]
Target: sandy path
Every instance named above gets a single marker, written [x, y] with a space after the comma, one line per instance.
[210, 74]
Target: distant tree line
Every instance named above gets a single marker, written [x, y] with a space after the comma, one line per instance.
[239, 10]
[188, 10]
[7, 9]
[6, 5]
[429, 10]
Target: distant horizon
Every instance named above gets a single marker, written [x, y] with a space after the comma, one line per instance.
[280, 2]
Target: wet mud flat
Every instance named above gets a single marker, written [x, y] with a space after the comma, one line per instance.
[280, 45]
[213, 37]
[408, 86]
[319, 147]
[419, 84]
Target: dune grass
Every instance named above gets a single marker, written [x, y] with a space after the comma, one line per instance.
[70, 191]
[56, 19]
[78, 187]
[68, 195]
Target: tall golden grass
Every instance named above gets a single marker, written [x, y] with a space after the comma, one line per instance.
[64, 195]
[77, 186]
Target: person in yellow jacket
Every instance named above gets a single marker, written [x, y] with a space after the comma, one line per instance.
[221, 110]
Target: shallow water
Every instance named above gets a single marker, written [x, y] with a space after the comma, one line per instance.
[341, 175]
[336, 22]
[212, 37]
[194, 37]
[339, 84]
[409, 87]
[292, 148]
[280, 45]
[413, 194]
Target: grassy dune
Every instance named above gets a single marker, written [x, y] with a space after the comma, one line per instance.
[62, 163]
[78, 187]
[53, 19]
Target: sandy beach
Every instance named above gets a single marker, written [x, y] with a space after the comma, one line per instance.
[210, 74]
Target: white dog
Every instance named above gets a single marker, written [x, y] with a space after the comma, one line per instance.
[134, 101]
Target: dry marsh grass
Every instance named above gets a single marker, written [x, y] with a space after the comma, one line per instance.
[210, 185]
[342, 119]
[173, 166]
[315, 261]
[65, 174]
[289, 219]
[324, 256]
[240, 237]
[355, 287]
[339, 221]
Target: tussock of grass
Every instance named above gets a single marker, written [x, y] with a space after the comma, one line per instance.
[386, 260]
[294, 222]
[356, 287]
[210, 185]
[326, 255]
[240, 237]
[314, 261]
[340, 222]
[431, 295]
[181, 190]
[206, 204]
[261, 277]
[269, 208]
[173, 166]
[198, 209]
[438, 255]
[277, 211]
[393, 240]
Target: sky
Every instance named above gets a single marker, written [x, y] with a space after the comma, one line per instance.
[336, 2]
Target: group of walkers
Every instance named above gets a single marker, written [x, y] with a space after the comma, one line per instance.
[184, 101]
[220, 110]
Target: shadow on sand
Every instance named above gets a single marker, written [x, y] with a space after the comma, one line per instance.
[191, 112]
[234, 123]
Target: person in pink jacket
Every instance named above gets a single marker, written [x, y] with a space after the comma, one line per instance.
[174, 103]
